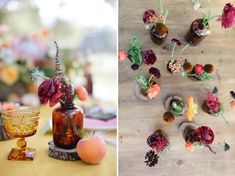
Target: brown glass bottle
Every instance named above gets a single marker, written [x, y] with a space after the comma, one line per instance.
[67, 122]
[195, 34]
[159, 33]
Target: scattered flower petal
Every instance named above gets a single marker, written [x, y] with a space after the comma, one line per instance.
[154, 71]
[232, 104]
[122, 55]
[176, 41]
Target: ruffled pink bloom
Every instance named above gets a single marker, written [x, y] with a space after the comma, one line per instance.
[49, 91]
[149, 16]
[228, 16]
[212, 101]
[153, 91]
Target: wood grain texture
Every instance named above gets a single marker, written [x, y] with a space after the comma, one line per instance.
[138, 119]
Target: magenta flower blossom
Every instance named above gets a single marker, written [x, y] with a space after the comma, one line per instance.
[149, 57]
[49, 90]
[149, 16]
[212, 101]
[228, 16]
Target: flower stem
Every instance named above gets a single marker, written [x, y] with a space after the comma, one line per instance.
[226, 121]
[42, 76]
[210, 149]
[216, 16]
[161, 6]
[150, 78]
[181, 52]
[165, 17]
[173, 51]
[226, 101]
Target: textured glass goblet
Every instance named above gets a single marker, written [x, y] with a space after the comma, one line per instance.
[21, 123]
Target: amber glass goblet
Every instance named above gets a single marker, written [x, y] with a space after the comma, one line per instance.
[21, 123]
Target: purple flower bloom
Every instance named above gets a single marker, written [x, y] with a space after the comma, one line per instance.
[154, 71]
[149, 16]
[149, 57]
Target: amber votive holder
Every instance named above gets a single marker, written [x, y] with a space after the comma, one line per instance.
[21, 123]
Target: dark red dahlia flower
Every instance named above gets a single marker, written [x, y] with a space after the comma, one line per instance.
[149, 16]
[157, 141]
[207, 135]
[228, 16]
[149, 57]
[154, 71]
[49, 90]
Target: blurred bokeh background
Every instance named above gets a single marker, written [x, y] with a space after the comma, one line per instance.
[85, 31]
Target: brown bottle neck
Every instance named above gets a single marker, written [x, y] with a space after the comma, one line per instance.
[67, 106]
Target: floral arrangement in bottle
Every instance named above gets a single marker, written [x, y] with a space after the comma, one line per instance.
[147, 88]
[175, 65]
[137, 55]
[198, 72]
[59, 88]
[156, 21]
[200, 137]
[200, 27]
[213, 106]
[175, 106]
[159, 144]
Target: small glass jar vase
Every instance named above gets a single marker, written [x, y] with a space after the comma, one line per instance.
[176, 105]
[197, 32]
[159, 33]
[67, 122]
[188, 131]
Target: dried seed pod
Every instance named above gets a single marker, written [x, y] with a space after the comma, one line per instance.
[188, 67]
[209, 68]
[168, 117]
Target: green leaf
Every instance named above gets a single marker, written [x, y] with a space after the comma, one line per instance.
[143, 82]
[135, 50]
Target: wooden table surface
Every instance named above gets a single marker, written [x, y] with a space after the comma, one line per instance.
[138, 119]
